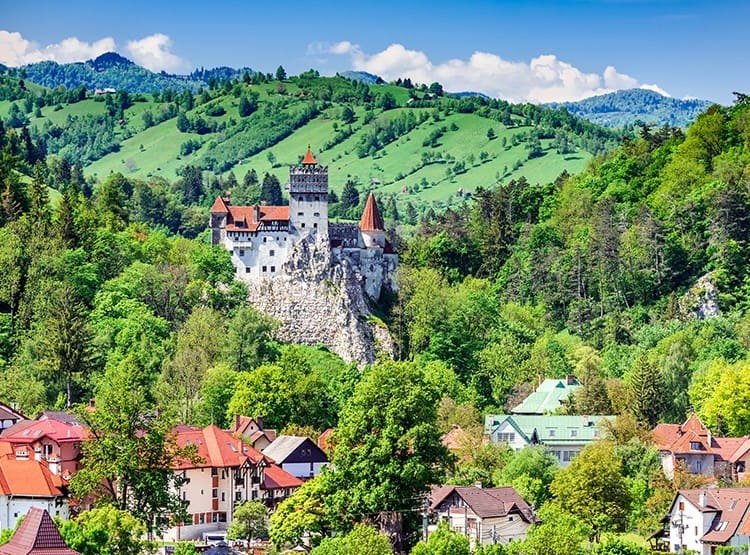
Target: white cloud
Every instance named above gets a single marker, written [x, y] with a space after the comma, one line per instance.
[17, 51]
[544, 79]
[655, 88]
[153, 52]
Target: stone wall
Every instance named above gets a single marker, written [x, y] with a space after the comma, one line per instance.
[319, 300]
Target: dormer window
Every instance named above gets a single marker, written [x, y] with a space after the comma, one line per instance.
[696, 446]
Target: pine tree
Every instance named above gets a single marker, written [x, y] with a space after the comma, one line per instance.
[647, 391]
[349, 195]
[270, 192]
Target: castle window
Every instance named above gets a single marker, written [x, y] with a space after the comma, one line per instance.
[303, 224]
[316, 214]
[316, 200]
[300, 213]
[242, 252]
[271, 252]
[264, 239]
[265, 268]
[247, 269]
[273, 268]
[315, 226]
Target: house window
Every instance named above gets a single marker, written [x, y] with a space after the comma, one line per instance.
[238, 496]
[214, 471]
[596, 433]
[507, 437]
[222, 517]
[223, 496]
[695, 446]
[214, 493]
[699, 466]
[550, 432]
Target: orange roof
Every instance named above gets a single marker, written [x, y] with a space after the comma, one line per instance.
[242, 218]
[37, 535]
[276, 477]
[215, 448]
[371, 220]
[26, 478]
[309, 159]
[694, 437]
[219, 205]
[324, 441]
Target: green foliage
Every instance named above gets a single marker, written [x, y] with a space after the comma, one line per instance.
[618, 547]
[559, 532]
[530, 471]
[304, 513]
[443, 541]
[362, 539]
[250, 521]
[105, 531]
[592, 488]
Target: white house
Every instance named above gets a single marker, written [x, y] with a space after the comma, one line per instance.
[298, 455]
[565, 436]
[485, 515]
[700, 520]
[223, 473]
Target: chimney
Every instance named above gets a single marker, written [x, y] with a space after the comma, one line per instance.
[679, 430]
[570, 379]
[478, 485]
[709, 439]
[236, 422]
[703, 499]
[586, 421]
[259, 421]
[92, 402]
[256, 213]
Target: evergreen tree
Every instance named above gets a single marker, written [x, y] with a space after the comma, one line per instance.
[349, 195]
[270, 192]
[647, 391]
[280, 73]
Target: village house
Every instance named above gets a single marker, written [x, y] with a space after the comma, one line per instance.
[298, 455]
[260, 238]
[37, 535]
[692, 446]
[54, 438]
[223, 473]
[27, 483]
[564, 436]
[252, 432]
[700, 520]
[484, 515]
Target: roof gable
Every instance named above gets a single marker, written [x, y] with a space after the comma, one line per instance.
[287, 449]
[309, 159]
[37, 535]
[484, 502]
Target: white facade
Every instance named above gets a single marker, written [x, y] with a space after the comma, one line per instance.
[257, 255]
[13, 507]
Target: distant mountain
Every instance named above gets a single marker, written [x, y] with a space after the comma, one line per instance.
[111, 70]
[469, 94]
[625, 107]
[362, 76]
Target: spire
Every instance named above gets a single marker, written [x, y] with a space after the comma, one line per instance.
[309, 159]
[220, 206]
[371, 220]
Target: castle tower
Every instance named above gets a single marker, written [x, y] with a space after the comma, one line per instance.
[218, 223]
[308, 196]
[371, 224]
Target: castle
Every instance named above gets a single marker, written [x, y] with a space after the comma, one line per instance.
[262, 238]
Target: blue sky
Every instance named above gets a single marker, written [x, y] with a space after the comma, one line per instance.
[523, 51]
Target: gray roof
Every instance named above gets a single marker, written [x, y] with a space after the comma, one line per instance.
[283, 446]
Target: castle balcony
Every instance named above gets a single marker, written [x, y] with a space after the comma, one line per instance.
[308, 170]
[307, 187]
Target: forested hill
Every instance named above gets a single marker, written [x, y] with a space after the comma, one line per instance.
[110, 70]
[418, 147]
[628, 107]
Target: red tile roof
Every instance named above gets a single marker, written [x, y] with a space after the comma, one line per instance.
[274, 477]
[371, 220]
[730, 506]
[29, 431]
[219, 206]
[242, 218]
[27, 478]
[214, 448]
[309, 159]
[37, 535]
[683, 438]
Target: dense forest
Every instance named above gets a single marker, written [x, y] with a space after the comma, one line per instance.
[632, 275]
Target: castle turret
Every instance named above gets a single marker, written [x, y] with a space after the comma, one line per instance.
[308, 196]
[371, 224]
[218, 220]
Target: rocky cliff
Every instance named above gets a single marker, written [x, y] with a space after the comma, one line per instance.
[319, 300]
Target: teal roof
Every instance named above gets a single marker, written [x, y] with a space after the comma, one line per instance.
[550, 428]
[547, 398]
